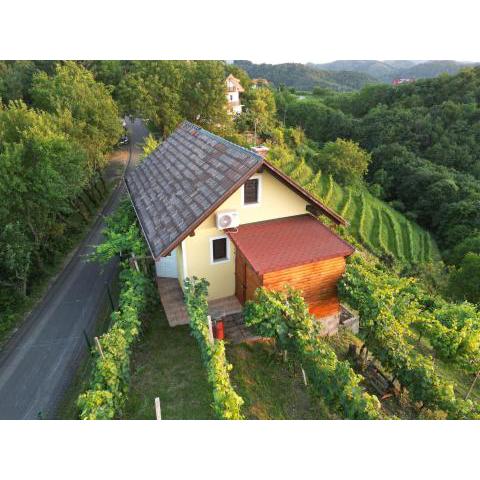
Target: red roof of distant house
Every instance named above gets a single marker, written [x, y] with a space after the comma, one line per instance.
[287, 242]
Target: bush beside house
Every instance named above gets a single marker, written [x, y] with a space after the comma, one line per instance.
[226, 402]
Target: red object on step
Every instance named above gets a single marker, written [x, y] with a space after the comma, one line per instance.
[219, 331]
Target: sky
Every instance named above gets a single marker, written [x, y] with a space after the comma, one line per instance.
[262, 31]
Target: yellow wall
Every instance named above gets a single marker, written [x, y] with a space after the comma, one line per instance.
[276, 201]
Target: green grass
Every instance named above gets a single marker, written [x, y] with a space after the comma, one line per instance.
[271, 388]
[376, 225]
[166, 363]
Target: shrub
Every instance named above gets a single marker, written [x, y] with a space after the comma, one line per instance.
[388, 306]
[285, 317]
[226, 402]
[110, 377]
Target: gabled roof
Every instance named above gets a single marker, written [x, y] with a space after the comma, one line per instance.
[236, 83]
[187, 178]
[282, 243]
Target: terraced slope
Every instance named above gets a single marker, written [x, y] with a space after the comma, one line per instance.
[376, 225]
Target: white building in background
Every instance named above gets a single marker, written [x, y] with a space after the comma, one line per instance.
[234, 89]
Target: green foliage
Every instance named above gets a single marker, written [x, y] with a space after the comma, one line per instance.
[42, 172]
[260, 112]
[85, 108]
[110, 378]
[15, 256]
[109, 383]
[423, 138]
[305, 77]
[54, 134]
[388, 306]
[285, 317]
[344, 160]
[122, 235]
[166, 92]
[382, 230]
[150, 144]
[464, 281]
[226, 403]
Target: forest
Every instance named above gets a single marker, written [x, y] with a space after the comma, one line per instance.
[424, 141]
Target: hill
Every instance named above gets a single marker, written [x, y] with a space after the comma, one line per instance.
[377, 226]
[425, 147]
[374, 68]
[388, 70]
[304, 77]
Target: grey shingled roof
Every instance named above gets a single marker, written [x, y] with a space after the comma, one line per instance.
[180, 183]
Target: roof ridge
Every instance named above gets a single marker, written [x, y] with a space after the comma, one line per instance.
[221, 139]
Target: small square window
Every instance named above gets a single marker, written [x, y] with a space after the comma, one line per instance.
[219, 249]
[250, 191]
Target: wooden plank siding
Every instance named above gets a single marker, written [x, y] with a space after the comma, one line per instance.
[317, 281]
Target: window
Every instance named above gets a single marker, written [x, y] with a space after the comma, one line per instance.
[219, 249]
[251, 191]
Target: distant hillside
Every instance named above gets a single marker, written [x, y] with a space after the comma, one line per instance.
[374, 68]
[388, 70]
[304, 77]
[433, 69]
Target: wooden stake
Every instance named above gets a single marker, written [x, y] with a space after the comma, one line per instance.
[158, 410]
[304, 376]
[210, 328]
[99, 347]
[472, 385]
[135, 262]
[284, 355]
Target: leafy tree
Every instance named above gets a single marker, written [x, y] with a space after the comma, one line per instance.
[464, 282]
[260, 110]
[15, 257]
[166, 92]
[344, 160]
[149, 145]
[469, 244]
[42, 172]
[203, 95]
[85, 108]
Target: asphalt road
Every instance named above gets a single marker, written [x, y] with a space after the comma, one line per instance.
[39, 363]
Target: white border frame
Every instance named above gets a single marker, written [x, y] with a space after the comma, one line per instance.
[248, 205]
[217, 262]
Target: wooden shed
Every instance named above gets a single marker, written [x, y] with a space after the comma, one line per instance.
[297, 251]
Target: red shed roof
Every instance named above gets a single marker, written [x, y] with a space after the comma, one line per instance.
[287, 242]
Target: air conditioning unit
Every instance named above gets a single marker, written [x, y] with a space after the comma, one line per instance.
[227, 219]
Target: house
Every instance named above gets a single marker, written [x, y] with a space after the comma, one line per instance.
[259, 83]
[234, 89]
[209, 208]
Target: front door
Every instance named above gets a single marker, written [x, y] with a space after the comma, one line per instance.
[240, 277]
[167, 266]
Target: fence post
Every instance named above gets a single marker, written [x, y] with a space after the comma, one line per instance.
[304, 376]
[89, 345]
[99, 347]
[158, 410]
[134, 260]
[110, 296]
[472, 385]
[210, 329]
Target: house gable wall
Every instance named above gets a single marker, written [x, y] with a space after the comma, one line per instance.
[276, 201]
